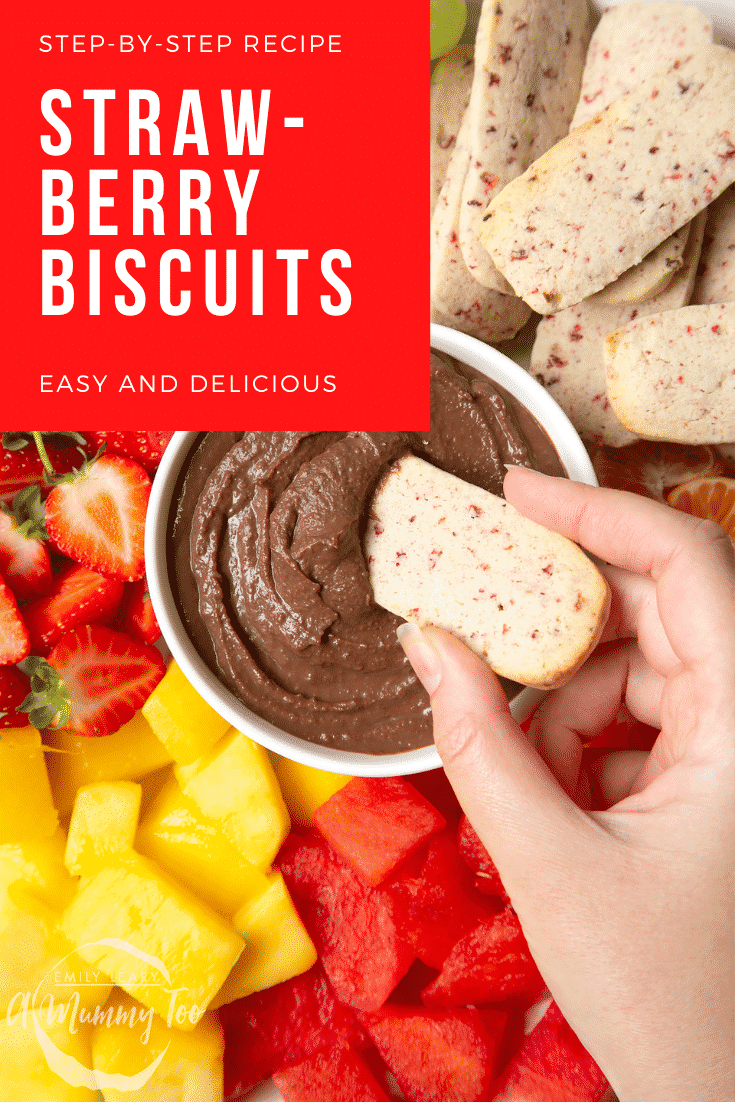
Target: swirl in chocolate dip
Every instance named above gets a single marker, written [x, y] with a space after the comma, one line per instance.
[267, 554]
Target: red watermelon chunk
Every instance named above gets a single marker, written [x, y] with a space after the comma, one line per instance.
[434, 785]
[283, 1025]
[360, 933]
[437, 1055]
[552, 1065]
[479, 860]
[624, 736]
[408, 991]
[441, 900]
[332, 1076]
[489, 964]
[374, 823]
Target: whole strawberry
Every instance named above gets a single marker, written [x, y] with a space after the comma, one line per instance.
[96, 516]
[144, 447]
[24, 559]
[13, 691]
[21, 463]
[136, 616]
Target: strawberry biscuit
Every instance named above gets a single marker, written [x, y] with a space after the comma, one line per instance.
[441, 551]
[615, 188]
[671, 376]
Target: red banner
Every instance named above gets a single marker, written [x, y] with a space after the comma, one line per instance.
[217, 220]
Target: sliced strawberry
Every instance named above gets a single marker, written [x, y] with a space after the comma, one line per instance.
[15, 642]
[104, 675]
[136, 616]
[146, 448]
[97, 516]
[24, 558]
[78, 596]
[13, 691]
[21, 467]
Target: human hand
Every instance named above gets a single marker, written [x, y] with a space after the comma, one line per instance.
[628, 911]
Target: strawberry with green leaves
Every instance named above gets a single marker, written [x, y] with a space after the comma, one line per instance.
[24, 558]
[21, 464]
[93, 681]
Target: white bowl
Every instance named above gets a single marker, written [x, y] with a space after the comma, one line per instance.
[466, 349]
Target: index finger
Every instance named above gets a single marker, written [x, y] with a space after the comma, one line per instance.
[690, 560]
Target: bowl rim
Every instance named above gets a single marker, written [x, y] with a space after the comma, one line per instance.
[498, 367]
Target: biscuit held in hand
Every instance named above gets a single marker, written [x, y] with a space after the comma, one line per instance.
[441, 551]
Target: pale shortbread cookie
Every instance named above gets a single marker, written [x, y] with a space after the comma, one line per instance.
[447, 279]
[443, 552]
[451, 82]
[649, 278]
[615, 188]
[461, 302]
[716, 276]
[567, 356]
[671, 376]
[632, 41]
[529, 57]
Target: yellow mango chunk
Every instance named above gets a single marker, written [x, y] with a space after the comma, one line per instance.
[103, 823]
[183, 721]
[236, 786]
[177, 952]
[278, 944]
[305, 789]
[40, 864]
[127, 755]
[34, 889]
[195, 850]
[191, 1068]
[54, 1072]
[37, 960]
[26, 807]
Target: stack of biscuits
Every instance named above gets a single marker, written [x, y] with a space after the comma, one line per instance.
[593, 183]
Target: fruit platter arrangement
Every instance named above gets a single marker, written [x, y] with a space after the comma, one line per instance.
[319, 935]
[348, 937]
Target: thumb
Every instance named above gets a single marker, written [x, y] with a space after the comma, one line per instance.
[528, 824]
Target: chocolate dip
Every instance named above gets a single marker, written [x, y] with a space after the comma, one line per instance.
[266, 548]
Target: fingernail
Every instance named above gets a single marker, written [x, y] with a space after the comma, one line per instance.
[515, 467]
[421, 655]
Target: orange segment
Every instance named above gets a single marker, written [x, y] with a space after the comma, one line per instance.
[711, 498]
